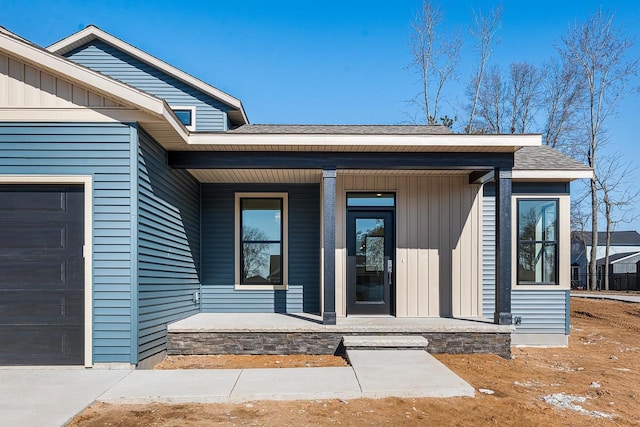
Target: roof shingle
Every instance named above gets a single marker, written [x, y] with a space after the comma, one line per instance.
[343, 129]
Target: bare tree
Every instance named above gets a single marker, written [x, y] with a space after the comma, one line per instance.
[615, 182]
[562, 92]
[492, 108]
[524, 83]
[484, 30]
[435, 57]
[597, 49]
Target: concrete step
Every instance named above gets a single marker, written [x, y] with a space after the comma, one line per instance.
[370, 342]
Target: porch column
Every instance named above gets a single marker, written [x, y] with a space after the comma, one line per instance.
[329, 239]
[502, 315]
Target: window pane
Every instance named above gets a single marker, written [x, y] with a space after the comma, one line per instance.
[537, 219]
[537, 262]
[184, 116]
[261, 263]
[370, 199]
[261, 219]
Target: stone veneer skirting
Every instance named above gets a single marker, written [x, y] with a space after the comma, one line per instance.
[281, 343]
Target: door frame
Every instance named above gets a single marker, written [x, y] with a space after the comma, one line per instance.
[87, 182]
[348, 270]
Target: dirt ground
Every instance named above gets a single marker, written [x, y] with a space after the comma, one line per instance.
[224, 361]
[601, 366]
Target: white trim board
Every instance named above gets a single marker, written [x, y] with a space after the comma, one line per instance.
[87, 182]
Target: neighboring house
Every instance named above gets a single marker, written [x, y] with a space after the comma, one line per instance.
[125, 182]
[622, 242]
[622, 271]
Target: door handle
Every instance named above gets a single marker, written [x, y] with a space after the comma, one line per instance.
[389, 271]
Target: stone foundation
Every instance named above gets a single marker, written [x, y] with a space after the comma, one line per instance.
[280, 343]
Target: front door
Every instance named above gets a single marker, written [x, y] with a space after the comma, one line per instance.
[370, 261]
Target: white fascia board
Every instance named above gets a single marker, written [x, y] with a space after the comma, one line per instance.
[62, 67]
[93, 32]
[542, 175]
[509, 142]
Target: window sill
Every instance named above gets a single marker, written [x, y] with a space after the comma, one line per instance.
[239, 287]
[529, 287]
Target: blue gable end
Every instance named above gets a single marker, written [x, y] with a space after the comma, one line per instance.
[211, 114]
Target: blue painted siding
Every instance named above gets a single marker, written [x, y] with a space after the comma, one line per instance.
[97, 55]
[103, 151]
[218, 252]
[169, 246]
[542, 311]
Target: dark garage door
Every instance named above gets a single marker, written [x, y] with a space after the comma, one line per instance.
[41, 275]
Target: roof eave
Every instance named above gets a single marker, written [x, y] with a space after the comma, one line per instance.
[551, 174]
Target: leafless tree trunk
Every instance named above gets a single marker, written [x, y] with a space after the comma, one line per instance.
[615, 181]
[562, 92]
[491, 108]
[524, 82]
[597, 49]
[435, 58]
[484, 31]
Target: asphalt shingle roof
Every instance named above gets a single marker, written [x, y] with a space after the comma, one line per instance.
[618, 238]
[344, 129]
[616, 257]
[543, 157]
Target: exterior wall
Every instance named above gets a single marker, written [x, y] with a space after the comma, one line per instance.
[99, 56]
[438, 243]
[626, 266]
[168, 209]
[543, 309]
[25, 86]
[102, 151]
[218, 253]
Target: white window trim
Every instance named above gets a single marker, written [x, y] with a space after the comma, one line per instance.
[192, 128]
[564, 241]
[285, 241]
[87, 182]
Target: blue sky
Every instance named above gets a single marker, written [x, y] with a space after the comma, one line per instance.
[318, 61]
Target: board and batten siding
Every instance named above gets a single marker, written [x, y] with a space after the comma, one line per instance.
[22, 85]
[543, 311]
[438, 243]
[168, 246]
[99, 56]
[218, 252]
[101, 151]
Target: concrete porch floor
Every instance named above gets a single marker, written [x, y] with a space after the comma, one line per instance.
[304, 322]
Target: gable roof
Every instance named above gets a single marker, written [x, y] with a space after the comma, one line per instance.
[618, 238]
[615, 258]
[236, 113]
[159, 112]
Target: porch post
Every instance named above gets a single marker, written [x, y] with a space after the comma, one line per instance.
[329, 239]
[502, 315]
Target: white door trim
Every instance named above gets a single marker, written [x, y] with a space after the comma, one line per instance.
[87, 182]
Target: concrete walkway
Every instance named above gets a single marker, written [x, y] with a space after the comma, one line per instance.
[614, 297]
[52, 397]
[374, 373]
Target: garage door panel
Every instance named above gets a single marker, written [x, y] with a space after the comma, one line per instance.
[41, 274]
[41, 308]
[45, 272]
[26, 345]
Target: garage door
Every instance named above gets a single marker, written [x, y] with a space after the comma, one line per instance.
[41, 275]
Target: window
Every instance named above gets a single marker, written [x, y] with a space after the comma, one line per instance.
[186, 115]
[370, 199]
[537, 242]
[261, 240]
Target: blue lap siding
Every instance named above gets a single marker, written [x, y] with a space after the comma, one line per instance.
[101, 151]
[99, 56]
[543, 311]
[218, 252]
[169, 246]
